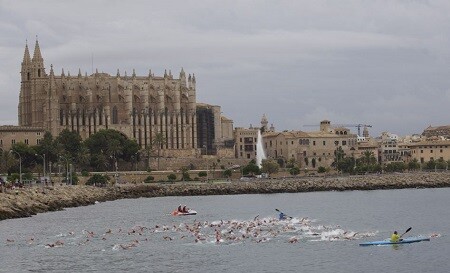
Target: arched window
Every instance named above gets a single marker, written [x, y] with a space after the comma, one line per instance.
[100, 116]
[115, 117]
[39, 72]
[28, 76]
[61, 116]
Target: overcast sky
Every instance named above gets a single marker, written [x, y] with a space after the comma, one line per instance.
[379, 62]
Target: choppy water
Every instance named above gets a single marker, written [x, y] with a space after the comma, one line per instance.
[323, 236]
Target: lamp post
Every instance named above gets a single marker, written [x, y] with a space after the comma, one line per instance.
[43, 157]
[20, 165]
[136, 155]
[67, 167]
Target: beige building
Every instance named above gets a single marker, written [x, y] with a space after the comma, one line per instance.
[427, 150]
[138, 106]
[245, 142]
[310, 149]
[10, 135]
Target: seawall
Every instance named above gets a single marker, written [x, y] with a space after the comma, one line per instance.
[30, 201]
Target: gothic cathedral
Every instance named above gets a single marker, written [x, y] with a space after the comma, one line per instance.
[138, 106]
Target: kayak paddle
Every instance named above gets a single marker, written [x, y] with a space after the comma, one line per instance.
[284, 214]
[406, 232]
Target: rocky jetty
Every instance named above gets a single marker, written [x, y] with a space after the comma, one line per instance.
[30, 201]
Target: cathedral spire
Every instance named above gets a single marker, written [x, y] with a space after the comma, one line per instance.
[37, 52]
[26, 55]
[182, 74]
[52, 74]
[62, 72]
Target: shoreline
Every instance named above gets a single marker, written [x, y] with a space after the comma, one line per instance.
[30, 201]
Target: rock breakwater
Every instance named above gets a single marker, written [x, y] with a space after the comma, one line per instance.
[30, 201]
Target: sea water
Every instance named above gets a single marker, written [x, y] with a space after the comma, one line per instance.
[140, 235]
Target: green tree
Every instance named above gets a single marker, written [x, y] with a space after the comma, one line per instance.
[346, 165]
[157, 144]
[68, 143]
[270, 166]
[97, 180]
[202, 174]
[172, 177]
[27, 156]
[395, 167]
[185, 174]
[251, 168]
[149, 179]
[413, 165]
[106, 147]
[294, 170]
[291, 163]
[430, 165]
[227, 173]
[441, 164]
[338, 157]
[47, 147]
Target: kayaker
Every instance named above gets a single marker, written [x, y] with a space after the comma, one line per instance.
[282, 216]
[395, 237]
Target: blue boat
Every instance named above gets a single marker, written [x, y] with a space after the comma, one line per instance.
[408, 240]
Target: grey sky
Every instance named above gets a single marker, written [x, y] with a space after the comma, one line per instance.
[379, 62]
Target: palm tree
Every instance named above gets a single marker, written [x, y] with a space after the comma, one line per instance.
[369, 157]
[158, 142]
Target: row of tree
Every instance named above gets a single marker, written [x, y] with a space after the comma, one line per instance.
[346, 164]
[102, 151]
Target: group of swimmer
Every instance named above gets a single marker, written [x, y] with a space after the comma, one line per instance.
[258, 230]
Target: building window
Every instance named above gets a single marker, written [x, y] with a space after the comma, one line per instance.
[13, 141]
[314, 143]
[344, 143]
[324, 143]
[441, 150]
[26, 141]
[421, 151]
[431, 151]
[115, 117]
[248, 155]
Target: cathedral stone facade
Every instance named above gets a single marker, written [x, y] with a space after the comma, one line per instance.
[138, 106]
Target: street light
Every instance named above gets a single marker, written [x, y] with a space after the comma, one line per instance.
[43, 157]
[20, 165]
[67, 167]
[136, 155]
